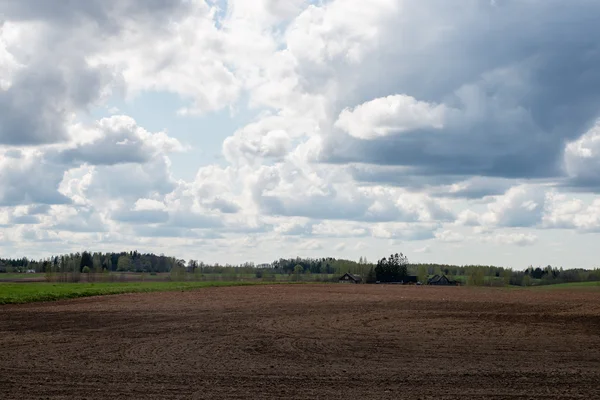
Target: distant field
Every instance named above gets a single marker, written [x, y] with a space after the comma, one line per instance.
[143, 277]
[15, 293]
[124, 276]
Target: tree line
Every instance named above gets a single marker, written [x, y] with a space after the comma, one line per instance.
[134, 261]
[391, 269]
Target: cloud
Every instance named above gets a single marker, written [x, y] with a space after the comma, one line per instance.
[339, 229]
[340, 247]
[520, 206]
[294, 227]
[186, 55]
[167, 231]
[564, 212]
[404, 231]
[148, 205]
[118, 140]
[372, 124]
[214, 189]
[468, 218]
[134, 180]
[310, 245]
[269, 137]
[30, 179]
[510, 115]
[193, 220]
[109, 15]
[390, 115]
[25, 220]
[423, 250]
[141, 216]
[48, 86]
[476, 187]
[582, 160]
[51, 51]
[449, 236]
[303, 190]
[517, 239]
[83, 219]
[406, 177]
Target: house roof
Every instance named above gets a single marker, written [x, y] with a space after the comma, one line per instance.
[356, 278]
[437, 278]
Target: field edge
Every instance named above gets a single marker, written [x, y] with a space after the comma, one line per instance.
[23, 293]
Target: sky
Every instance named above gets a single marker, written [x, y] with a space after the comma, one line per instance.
[462, 132]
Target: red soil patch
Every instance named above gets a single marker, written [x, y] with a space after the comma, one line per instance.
[306, 342]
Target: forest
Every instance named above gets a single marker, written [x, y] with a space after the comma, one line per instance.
[393, 268]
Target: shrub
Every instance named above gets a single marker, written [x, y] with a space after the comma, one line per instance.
[178, 273]
[50, 275]
[75, 276]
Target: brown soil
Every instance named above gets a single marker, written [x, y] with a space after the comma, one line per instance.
[306, 342]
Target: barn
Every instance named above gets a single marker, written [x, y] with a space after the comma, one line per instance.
[440, 280]
[350, 278]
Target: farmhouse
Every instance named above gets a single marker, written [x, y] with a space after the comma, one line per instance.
[440, 280]
[350, 278]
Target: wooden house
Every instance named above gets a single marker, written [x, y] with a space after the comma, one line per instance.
[440, 280]
[350, 278]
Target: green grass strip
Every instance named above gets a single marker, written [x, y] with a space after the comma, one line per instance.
[571, 285]
[18, 293]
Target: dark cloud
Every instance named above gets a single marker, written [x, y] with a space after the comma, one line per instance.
[25, 220]
[450, 186]
[31, 182]
[405, 177]
[474, 188]
[519, 80]
[40, 209]
[13, 153]
[223, 205]
[35, 108]
[32, 195]
[55, 78]
[109, 150]
[108, 15]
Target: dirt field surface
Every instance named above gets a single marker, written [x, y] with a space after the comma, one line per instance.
[306, 342]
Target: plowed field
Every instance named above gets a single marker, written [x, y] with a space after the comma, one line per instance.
[306, 342]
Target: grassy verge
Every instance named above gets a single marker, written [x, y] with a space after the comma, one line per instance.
[16, 276]
[571, 285]
[16, 293]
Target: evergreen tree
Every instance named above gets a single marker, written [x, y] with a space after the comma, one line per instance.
[371, 276]
[86, 261]
[392, 269]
